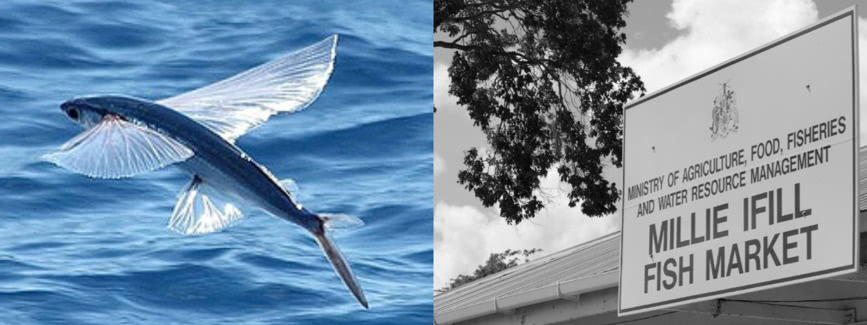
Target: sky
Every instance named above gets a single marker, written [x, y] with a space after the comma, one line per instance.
[667, 41]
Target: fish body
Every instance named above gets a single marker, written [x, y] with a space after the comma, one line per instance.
[125, 136]
[215, 161]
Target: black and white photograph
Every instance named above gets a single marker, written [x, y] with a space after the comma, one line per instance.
[648, 162]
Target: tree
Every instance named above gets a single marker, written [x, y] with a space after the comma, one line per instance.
[542, 81]
[495, 263]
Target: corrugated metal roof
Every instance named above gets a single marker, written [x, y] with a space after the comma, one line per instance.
[591, 258]
[595, 257]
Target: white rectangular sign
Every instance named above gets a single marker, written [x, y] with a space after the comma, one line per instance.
[744, 177]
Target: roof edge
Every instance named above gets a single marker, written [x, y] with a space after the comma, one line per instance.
[505, 304]
[534, 263]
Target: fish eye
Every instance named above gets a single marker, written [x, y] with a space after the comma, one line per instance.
[73, 113]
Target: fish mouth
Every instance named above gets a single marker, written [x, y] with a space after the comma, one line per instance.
[70, 104]
[69, 109]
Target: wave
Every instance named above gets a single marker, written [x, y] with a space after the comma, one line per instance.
[83, 251]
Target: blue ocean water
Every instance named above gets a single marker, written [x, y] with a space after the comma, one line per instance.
[75, 250]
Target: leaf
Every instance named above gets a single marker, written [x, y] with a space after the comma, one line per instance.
[546, 89]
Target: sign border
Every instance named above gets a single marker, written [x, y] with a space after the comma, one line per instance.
[846, 13]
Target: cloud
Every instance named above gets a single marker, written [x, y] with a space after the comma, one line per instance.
[464, 236]
[714, 31]
[442, 99]
[439, 164]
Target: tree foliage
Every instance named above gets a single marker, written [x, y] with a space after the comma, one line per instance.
[542, 81]
[495, 263]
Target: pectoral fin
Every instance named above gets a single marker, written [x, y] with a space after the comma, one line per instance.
[233, 106]
[201, 210]
[115, 148]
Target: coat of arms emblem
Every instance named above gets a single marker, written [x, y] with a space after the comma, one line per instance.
[725, 114]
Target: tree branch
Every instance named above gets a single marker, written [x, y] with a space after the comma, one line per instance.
[454, 46]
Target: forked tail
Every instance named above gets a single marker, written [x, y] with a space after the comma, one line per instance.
[341, 266]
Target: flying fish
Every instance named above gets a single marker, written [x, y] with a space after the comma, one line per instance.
[126, 136]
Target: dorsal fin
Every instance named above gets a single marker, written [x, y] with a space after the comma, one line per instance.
[290, 186]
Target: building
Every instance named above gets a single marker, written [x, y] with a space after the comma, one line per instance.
[578, 285]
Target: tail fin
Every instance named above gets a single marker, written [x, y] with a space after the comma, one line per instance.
[341, 266]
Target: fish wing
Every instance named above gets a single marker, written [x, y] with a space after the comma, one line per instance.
[235, 105]
[115, 148]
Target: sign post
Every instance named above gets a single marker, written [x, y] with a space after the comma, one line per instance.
[744, 177]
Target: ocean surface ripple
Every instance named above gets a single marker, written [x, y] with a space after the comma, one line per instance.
[76, 250]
